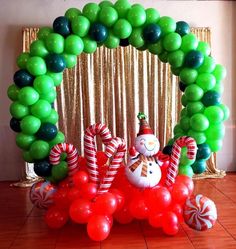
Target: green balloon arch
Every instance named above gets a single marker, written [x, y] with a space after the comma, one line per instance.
[112, 25]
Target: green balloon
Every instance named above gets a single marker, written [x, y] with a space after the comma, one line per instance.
[163, 57]
[52, 118]
[136, 38]
[176, 71]
[30, 125]
[28, 96]
[37, 48]
[226, 111]
[22, 60]
[204, 48]
[219, 87]
[186, 170]
[44, 32]
[184, 123]
[183, 112]
[60, 138]
[188, 75]
[27, 157]
[55, 43]
[214, 114]
[199, 166]
[13, 92]
[198, 136]
[70, 59]
[172, 42]
[24, 141]
[156, 48]
[74, 45]
[206, 81]
[90, 46]
[189, 42]
[122, 7]
[43, 84]
[72, 13]
[50, 96]
[105, 3]
[91, 11]
[18, 110]
[152, 16]
[60, 171]
[219, 72]
[122, 29]
[136, 16]
[36, 66]
[108, 16]
[199, 122]
[167, 25]
[176, 58]
[80, 26]
[207, 66]
[56, 77]
[39, 150]
[184, 160]
[143, 48]
[184, 100]
[215, 145]
[194, 107]
[178, 129]
[215, 132]
[193, 92]
[112, 41]
[41, 109]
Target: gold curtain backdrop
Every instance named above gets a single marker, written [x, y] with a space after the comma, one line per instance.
[111, 86]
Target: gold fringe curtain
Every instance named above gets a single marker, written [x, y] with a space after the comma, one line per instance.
[112, 86]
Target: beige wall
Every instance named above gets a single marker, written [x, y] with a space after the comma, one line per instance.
[219, 15]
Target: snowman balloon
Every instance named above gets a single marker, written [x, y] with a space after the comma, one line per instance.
[143, 167]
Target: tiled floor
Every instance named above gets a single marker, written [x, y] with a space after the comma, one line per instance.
[22, 226]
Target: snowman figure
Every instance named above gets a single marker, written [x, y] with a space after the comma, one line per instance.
[143, 167]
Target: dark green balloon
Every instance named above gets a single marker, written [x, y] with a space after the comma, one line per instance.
[55, 63]
[15, 125]
[199, 166]
[203, 151]
[47, 131]
[43, 168]
[23, 78]
[182, 28]
[211, 98]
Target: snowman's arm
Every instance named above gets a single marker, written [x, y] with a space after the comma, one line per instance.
[133, 153]
[161, 158]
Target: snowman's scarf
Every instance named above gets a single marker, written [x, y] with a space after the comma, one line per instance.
[144, 161]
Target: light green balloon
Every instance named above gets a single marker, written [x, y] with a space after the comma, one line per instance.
[184, 123]
[207, 66]
[204, 48]
[72, 13]
[27, 157]
[156, 48]
[167, 25]
[44, 32]
[80, 26]
[122, 29]
[24, 141]
[186, 170]
[108, 16]
[199, 122]
[194, 107]
[136, 39]
[214, 114]
[30, 125]
[178, 129]
[215, 132]
[163, 57]
[12, 92]
[105, 3]
[41, 109]
[198, 136]
[60, 138]
[184, 100]
[18, 110]
[152, 16]
[226, 111]
[183, 112]
[176, 58]
[91, 11]
[112, 41]
[28, 95]
[172, 42]
[206, 81]
[136, 16]
[38, 48]
[122, 7]
[189, 42]
[73, 45]
[90, 46]
[22, 60]
[219, 72]
[56, 77]
[39, 150]
[184, 160]
[193, 92]
[36, 66]
[49, 96]
[215, 145]
[55, 43]
[52, 118]
[43, 84]
[70, 59]
[188, 75]
[60, 171]
[176, 70]
[219, 87]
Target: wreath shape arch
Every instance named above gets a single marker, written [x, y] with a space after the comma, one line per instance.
[113, 25]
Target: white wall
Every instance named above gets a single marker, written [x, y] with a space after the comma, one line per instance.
[220, 16]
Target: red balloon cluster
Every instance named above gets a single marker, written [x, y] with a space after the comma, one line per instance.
[162, 207]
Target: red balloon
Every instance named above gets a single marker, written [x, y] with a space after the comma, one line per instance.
[89, 191]
[123, 216]
[81, 211]
[64, 183]
[110, 220]
[79, 178]
[105, 204]
[82, 163]
[56, 217]
[155, 220]
[179, 193]
[120, 198]
[138, 207]
[98, 227]
[170, 223]
[73, 194]
[61, 198]
[178, 210]
[187, 181]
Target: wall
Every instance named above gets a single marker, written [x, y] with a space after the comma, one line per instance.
[219, 15]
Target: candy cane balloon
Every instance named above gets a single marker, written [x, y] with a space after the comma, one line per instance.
[72, 157]
[117, 149]
[172, 171]
[90, 148]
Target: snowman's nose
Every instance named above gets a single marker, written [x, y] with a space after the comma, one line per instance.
[151, 143]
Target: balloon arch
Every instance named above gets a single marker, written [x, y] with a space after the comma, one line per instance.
[86, 189]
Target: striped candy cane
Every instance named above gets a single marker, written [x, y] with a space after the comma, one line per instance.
[117, 149]
[90, 148]
[72, 157]
[172, 171]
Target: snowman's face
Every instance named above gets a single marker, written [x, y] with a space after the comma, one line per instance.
[147, 144]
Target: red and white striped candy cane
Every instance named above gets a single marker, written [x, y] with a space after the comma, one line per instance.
[72, 157]
[90, 148]
[117, 149]
[172, 170]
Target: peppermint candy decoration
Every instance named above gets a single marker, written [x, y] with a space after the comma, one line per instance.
[41, 194]
[200, 213]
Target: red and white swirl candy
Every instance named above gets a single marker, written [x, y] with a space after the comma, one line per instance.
[200, 213]
[172, 170]
[72, 157]
[41, 194]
